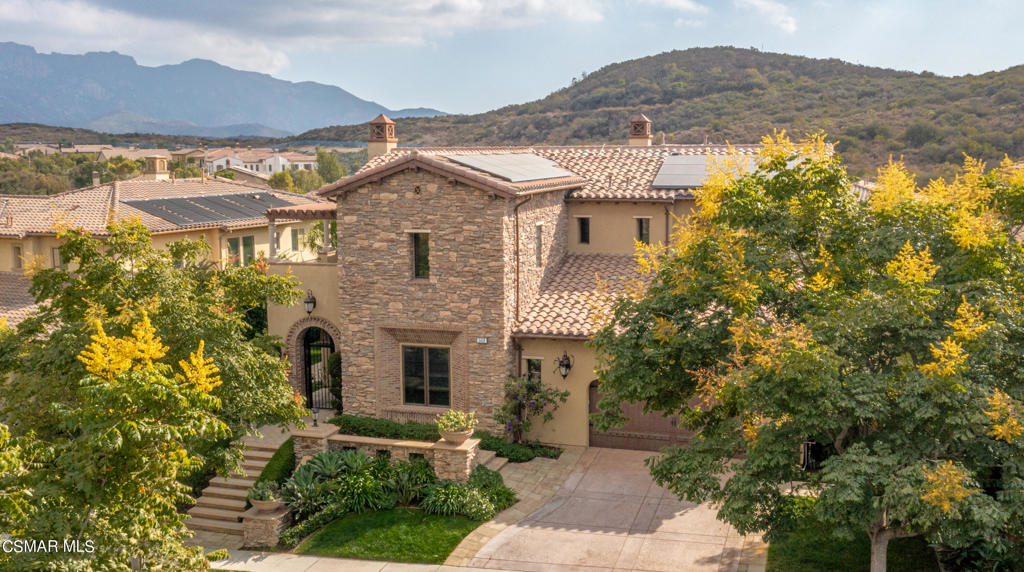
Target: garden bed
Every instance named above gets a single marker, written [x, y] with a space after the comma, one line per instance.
[400, 535]
[411, 430]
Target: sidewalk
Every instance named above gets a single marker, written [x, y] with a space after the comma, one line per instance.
[244, 560]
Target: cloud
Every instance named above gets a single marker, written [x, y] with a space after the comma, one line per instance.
[260, 35]
[775, 12]
[680, 5]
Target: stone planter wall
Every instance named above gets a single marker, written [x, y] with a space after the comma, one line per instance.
[449, 461]
[264, 528]
[311, 440]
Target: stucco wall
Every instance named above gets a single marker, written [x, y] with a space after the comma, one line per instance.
[613, 225]
[570, 425]
[383, 306]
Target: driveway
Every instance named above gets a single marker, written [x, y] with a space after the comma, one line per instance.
[609, 515]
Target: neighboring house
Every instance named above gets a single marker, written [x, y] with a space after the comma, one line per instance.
[227, 215]
[458, 267]
[49, 149]
[249, 177]
[264, 161]
[133, 154]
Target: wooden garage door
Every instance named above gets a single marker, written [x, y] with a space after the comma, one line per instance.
[643, 431]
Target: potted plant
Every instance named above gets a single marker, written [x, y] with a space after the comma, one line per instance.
[265, 496]
[456, 426]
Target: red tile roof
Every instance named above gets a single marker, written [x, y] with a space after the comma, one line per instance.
[15, 301]
[607, 172]
[564, 304]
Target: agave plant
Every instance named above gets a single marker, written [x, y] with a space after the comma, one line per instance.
[304, 492]
[328, 465]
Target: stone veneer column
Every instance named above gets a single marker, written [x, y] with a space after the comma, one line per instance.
[264, 528]
[312, 440]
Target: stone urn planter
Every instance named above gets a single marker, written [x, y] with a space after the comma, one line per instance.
[457, 437]
[266, 505]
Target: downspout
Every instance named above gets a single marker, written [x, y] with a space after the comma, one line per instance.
[668, 229]
[518, 349]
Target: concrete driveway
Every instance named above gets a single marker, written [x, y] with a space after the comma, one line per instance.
[609, 515]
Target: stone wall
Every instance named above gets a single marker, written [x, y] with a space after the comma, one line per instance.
[544, 213]
[383, 306]
[261, 529]
[449, 461]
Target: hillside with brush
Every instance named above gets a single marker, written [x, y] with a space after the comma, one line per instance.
[738, 95]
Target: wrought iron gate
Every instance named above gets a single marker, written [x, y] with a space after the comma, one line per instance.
[323, 386]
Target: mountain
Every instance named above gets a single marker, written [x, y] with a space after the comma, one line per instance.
[105, 90]
[739, 95]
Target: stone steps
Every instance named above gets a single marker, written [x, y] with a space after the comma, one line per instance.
[210, 525]
[225, 492]
[483, 457]
[234, 503]
[243, 483]
[253, 466]
[496, 463]
[214, 513]
[258, 455]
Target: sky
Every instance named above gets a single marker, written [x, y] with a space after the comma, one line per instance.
[469, 56]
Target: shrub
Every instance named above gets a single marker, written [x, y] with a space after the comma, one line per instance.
[294, 535]
[453, 421]
[355, 461]
[492, 485]
[220, 554]
[384, 428]
[360, 492]
[450, 498]
[304, 492]
[411, 481]
[281, 465]
[526, 397]
[264, 491]
[328, 465]
[515, 452]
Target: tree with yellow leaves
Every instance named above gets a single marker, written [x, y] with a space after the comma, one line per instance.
[109, 482]
[886, 334]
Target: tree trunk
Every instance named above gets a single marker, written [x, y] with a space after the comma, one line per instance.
[879, 546]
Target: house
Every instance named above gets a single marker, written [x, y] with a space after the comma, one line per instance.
[459, 267]
[248, 177]
[133, 153]
[264, 161]
[227, 215]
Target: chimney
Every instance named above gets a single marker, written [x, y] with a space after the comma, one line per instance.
[382, 136]
[95, 178]
[640, 131]
[156, 169]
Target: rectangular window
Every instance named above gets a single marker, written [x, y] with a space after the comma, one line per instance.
[248, 249]
[533, 366]
[234, 251]
[56, 258]
[538, 245]
[297, 236]
[16, 261]
[420, 254]
[584, 227]
[643, 230]
[426, 376]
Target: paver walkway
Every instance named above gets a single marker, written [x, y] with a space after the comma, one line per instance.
[274, 562]
[606, 515]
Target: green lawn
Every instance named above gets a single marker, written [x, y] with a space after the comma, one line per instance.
[811, 548]
[401, 535]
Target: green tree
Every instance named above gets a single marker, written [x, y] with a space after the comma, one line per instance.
[886, 336]
[282, 181]
[327, 166]
[188, 302]
[307, 181]
[185, 170]
[109, 479]
[122, 168]
[225, 174]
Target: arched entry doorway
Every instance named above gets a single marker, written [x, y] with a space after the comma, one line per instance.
[321, 372]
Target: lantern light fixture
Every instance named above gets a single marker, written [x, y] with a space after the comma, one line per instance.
[316, 416]
[309, 302]
[564, 364]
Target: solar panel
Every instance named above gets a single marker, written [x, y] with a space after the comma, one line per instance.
[513, 167]
[200, 209]
[681, 172]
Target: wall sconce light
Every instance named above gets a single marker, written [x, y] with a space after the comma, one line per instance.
[309, 302]
[564, 364]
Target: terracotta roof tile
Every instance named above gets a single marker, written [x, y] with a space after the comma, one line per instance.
[89, 208]
[563, 306]
[608, 172]
[15, 301]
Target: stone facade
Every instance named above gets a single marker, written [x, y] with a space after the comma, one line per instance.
[461, 305]
[311, 440]
[261, 529]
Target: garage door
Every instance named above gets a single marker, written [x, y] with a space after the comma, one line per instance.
[643, 431]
